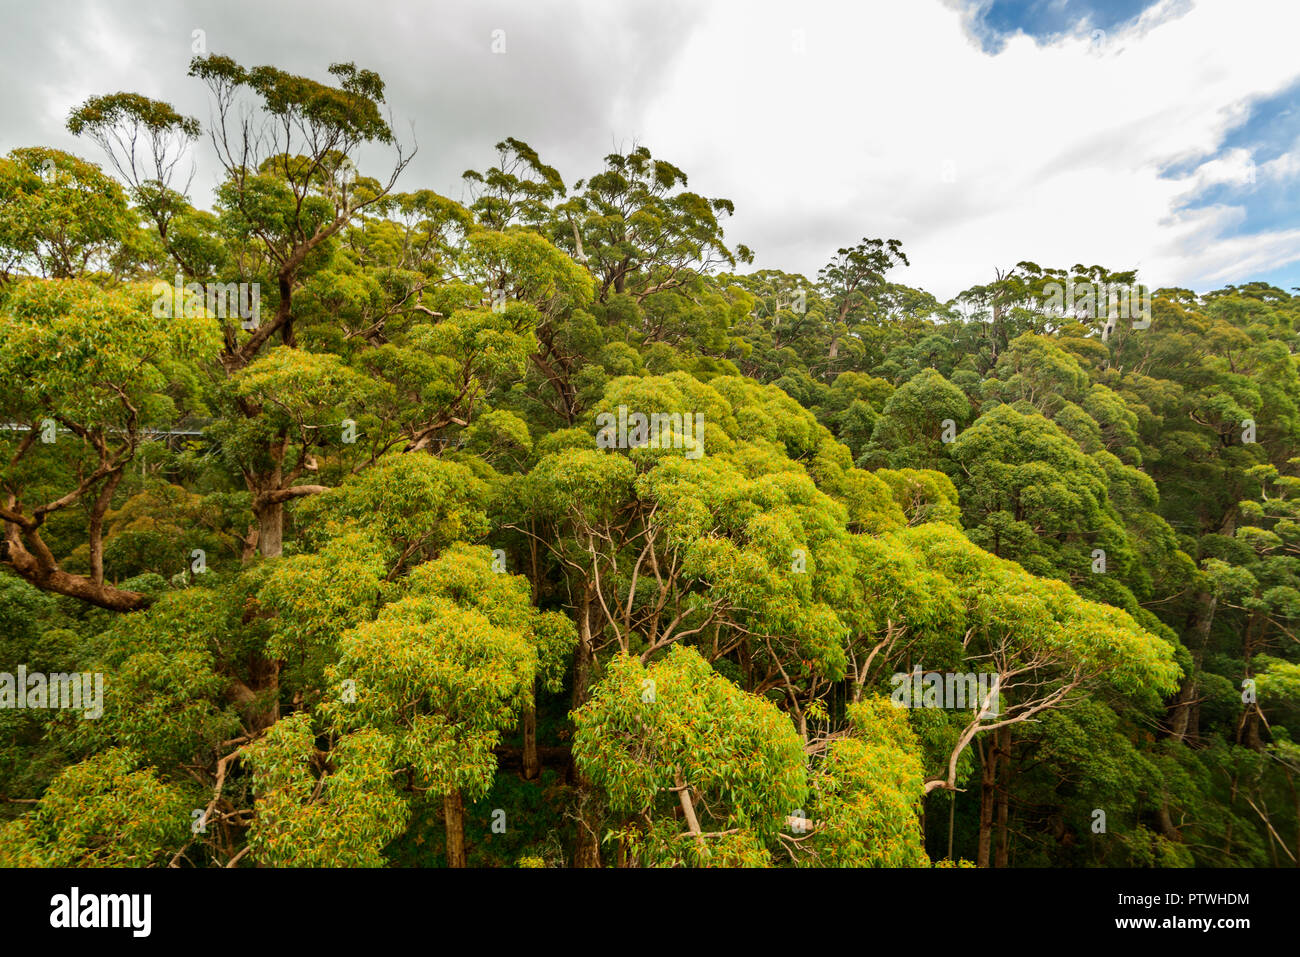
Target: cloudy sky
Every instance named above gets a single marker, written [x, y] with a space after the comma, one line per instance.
[1162, 135]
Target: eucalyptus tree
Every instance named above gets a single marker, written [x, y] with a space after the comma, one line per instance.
[147, 141]
[85, 374]
[852, 281]
[678, 738]
[61, 217]
[639, 230]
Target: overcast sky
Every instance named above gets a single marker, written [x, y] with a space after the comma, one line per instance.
[1162, 135]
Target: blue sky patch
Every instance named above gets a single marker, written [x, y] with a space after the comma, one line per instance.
[1271, 130]
[995, 21]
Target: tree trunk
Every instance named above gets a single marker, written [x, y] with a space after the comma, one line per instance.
[1180, 717]
[532, 763]
[453, 813]
[1165, 822]
[1248, 727]
[250, 544]
[587, 852]
[952, 819]
[688, 809]
[268, 509]
[585, 654]
[988, 786]
[1180, 714]
[286, 307]
[264, 681]
[102, 501]
[270, 529]
[1004, 787]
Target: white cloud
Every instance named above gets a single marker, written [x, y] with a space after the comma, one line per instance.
[1054, 152]
[1056, 149]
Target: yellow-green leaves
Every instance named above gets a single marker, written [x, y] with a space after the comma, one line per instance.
[1043, 624]
[467, 576]
[524, 266]
[427, 687]
[866, 794]
[314, 811]
[315, 598]
[102, 812]
[445, 670]
[577, 481]
[923, 495]
[73, 350]
[679, 724]
[415, 503]
[60, 216]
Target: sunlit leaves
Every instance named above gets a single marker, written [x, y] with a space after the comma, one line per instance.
[415, 503]
[315, 810]
[866, 792]
[60, 216]
[103, 812]
[738, 754]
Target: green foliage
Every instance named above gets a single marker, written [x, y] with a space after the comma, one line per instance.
[414, 504]
[59, 214]
[442, 672]
[679, 724]
[369, 569]
[865, 794]
[316, 814]
[103, 812]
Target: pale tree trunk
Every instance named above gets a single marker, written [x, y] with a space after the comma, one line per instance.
[583, 657]
[1248, 727]
[270, 529]
[1166, 823]
[1180, 714]
[688, 808]
[102, 501]
[952, 819]
[269, 497]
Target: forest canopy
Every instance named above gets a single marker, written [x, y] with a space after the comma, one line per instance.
[349, 524]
